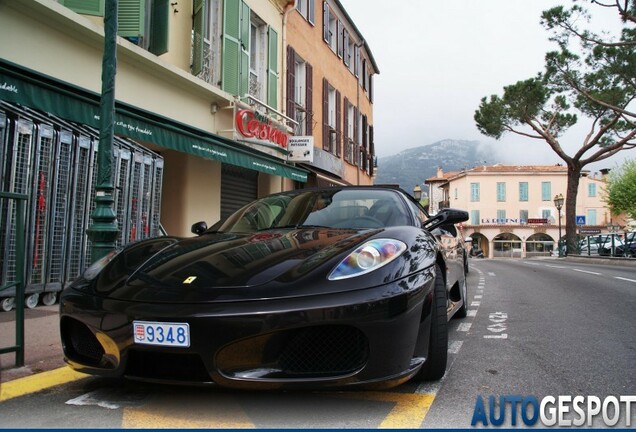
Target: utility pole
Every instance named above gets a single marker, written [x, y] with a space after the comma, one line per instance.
[104, 230]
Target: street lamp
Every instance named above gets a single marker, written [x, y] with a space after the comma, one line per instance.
[558, 203]
[417, 193]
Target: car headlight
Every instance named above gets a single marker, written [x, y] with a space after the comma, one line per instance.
[369, 257]
[91, 272]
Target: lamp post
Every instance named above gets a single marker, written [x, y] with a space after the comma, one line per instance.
[417, 193]
[558, 203]
[104, 231]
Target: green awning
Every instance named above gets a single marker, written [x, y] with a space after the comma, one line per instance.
[37, 91]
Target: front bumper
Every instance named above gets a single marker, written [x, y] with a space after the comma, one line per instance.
[363, 337]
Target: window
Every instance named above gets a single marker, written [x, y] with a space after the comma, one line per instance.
[330, 27]
[257, 50]
[546, 191]
[523, 216]
[299, 92]
[474, 217]
[501, 216]
[350, 131]
[523, 191]
[546, 214]
[591, 216]
[331, 118]
[307, 9]
[501, 191]
[249, 54]
[474, 192]
[591, 190]
[142, 22]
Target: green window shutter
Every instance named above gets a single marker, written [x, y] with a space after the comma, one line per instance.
[198, 24]
[501, 191]
[523, 191]
[546, 191]
[231, 47]
[130, 18]
[86, 7]
[272, 69]
[159, 27]
[244, 77]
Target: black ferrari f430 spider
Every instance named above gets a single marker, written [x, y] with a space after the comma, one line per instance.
[329, 287]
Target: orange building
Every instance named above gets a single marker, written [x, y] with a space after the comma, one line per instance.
[329, 94]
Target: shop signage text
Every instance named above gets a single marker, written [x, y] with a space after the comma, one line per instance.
[301, 148]
[251, 124]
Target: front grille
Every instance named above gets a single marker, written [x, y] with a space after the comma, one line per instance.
[185, 367]
[325, 350]
[80, 343]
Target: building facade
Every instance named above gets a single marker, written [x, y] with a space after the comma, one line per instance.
[203, 120]
[329, 92]
[512, 210]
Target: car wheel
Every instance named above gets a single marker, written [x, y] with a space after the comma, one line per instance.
[435, 365]
[463, 310]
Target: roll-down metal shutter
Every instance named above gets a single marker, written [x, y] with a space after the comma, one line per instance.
[239, 186]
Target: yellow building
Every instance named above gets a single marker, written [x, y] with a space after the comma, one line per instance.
[512, 209]
[329, 92]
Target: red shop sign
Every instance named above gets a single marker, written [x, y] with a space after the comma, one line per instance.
[253, 125]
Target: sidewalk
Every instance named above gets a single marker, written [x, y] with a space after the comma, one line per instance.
[43, 348]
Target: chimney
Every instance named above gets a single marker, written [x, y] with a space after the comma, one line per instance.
[440, 172]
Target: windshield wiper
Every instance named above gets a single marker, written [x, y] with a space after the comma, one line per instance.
[294, 226]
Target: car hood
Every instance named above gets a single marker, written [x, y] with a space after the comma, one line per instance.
[212, 266]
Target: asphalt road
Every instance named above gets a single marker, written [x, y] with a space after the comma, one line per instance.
[535, 328]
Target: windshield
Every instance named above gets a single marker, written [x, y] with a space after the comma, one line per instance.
[331, 208]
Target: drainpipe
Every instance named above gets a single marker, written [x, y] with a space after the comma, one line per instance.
[288, 7]
[355, 65]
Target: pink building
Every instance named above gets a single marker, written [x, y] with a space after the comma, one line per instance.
[512, 210]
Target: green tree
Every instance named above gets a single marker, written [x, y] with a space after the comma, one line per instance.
[621, 189]
[589, 76]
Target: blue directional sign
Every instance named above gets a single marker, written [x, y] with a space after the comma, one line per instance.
[580, 220]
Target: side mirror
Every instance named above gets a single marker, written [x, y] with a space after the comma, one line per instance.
[199, 228]
[447, 216]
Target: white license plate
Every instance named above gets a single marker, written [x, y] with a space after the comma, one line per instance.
[161, 333]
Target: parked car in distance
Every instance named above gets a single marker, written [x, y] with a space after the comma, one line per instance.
[599, 244]
[330, 287]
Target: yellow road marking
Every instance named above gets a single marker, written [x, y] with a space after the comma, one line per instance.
[220, 412]
[409, 410]
[38, 382]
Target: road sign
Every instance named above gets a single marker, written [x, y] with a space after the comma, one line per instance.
[580, 220]
[589, 231]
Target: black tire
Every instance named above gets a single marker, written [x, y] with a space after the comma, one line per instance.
[463, 291]
[435, 365]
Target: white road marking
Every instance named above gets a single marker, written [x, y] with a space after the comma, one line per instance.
[471, 312]
[499, 326]
[464, 327]
[625, 279]
[532, 263]
[454, 347]
[588, 272]
[555, 266]
[478, 297]
[475, 304]
[491, 274]
[501, 336]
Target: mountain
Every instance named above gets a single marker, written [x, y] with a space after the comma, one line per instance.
[412, 166]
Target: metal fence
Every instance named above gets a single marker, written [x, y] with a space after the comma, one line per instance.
[53, 163]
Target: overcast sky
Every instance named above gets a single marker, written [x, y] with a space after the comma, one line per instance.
[438, 58]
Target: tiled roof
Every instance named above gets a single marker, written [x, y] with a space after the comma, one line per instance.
[501, 169]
